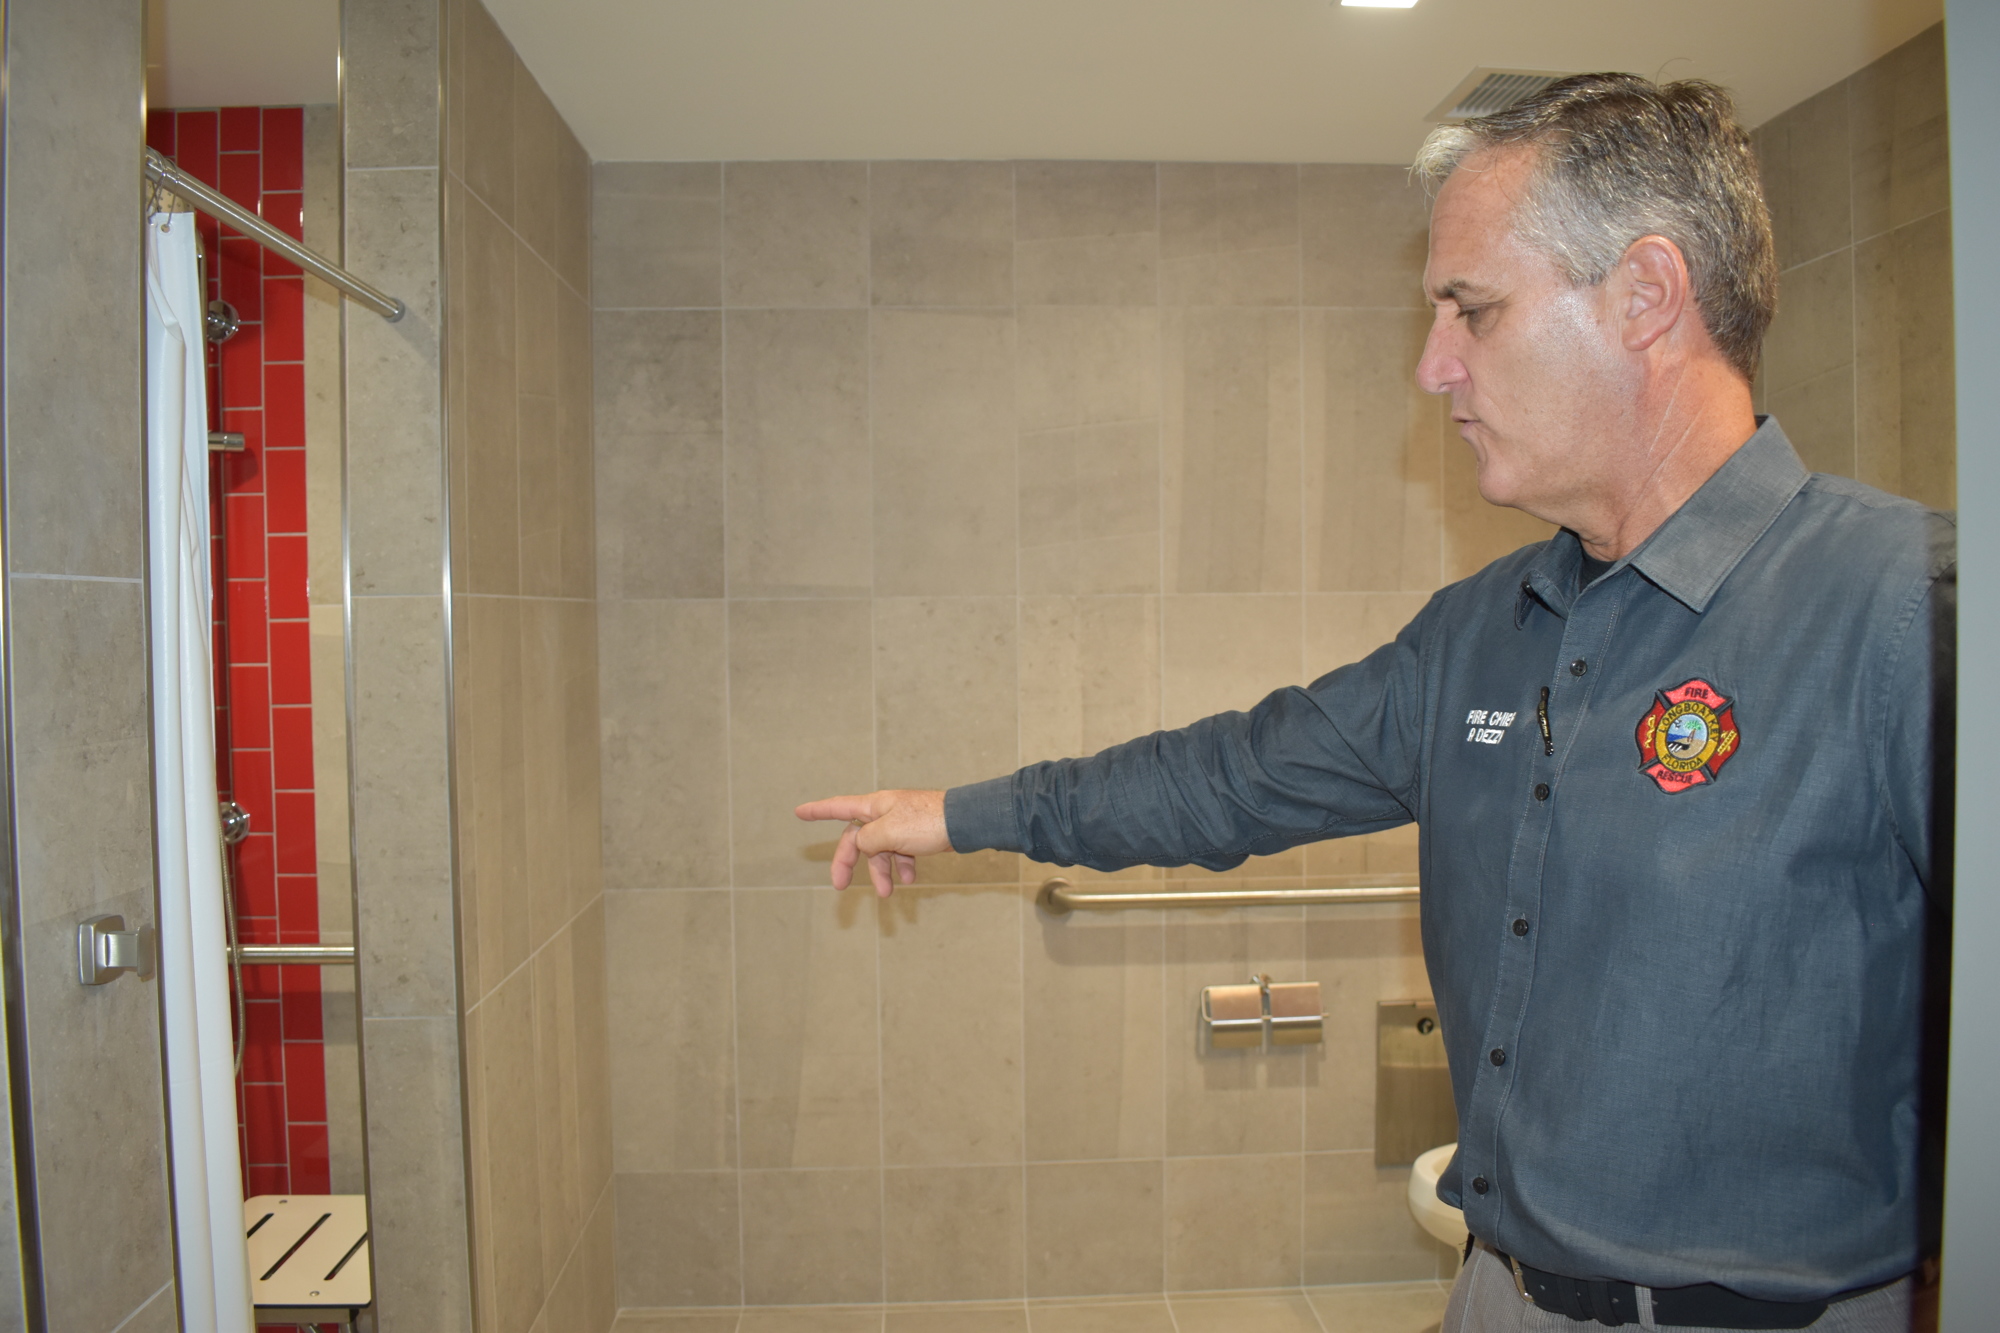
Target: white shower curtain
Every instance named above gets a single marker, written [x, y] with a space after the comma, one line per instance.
[214, 1275]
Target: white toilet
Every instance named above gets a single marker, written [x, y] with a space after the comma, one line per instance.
[1433, 1214]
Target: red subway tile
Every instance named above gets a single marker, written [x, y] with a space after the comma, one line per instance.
[303, 1020]
[261, 980]
[244, 472]
[285, 210]
[298, 902]
[250, 707]
[242, 129]
[243, 552]
[292, 748]
[264, 1122]
[256, 880]
[284, 406]
[160, 132]
[286, 557]
[261, 1179]
[311, 1172]
[291, 662]
[297, 851]
[241, 179]
[285, 490]
[284, 322]
[243, 368]
[240, 273]
[252, 772]
[246, 622]
[195, 135]
[263, 1042]
[284, 147]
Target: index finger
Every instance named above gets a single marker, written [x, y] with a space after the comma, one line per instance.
[837, 807]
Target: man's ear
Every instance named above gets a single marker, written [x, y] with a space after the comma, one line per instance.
[1653, 291]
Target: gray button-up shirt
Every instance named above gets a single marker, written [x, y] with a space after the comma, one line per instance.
[1678, 935]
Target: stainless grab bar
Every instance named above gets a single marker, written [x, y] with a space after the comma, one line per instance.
[168, 173]
[326, 955]
[1059, 897]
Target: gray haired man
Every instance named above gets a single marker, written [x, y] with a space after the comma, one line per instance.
[1679, 771]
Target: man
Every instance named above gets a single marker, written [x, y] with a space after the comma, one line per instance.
[1675, 770]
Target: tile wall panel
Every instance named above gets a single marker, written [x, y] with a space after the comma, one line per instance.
[1146, 451]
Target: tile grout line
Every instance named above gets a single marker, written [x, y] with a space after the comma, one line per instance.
[1023, 915]
[874, 757]
[1159, 716]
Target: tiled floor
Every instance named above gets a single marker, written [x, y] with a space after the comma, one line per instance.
[1393, 1307]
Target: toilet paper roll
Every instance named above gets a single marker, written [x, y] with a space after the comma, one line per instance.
[1297, 1018]
[1233, 1015]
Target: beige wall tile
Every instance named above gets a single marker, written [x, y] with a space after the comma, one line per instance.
[505, 1065]
[537, 368]
[573, 211]
[808, 1054]
[1226, 653]
[678, 1239]
[1805, 157]
[944, 439]
[1366, 234]
[1094, 1228]
[593, 1056]
[659, 453]
[539, 423]
[1086, 233]
[494, 881]
[1231, 1101]
[951, 1037]
[1081, 367]
[1814, 330]
[795, 233]
[1093, 1043]
[945, 690]
[1373, 459]
[942, 233]
[1901, 166]
[489, 109]
[1101, 1317]
[798, 457]
[1090, 509]
[1229, 234]
[537, 180]
[416, 1180]
[1818, 417]
[957, 1317]
[1275, 1312]
[801, 708]
[1475, 532]
[834, 1319]
[678, 1321]
[1090, 673]
[1905, 409]
[657, 233]
[673, 1087]
[665, 741]
[576, 479]
[812, 1236]
[1360, 955]
[1231, 449]
[1358, 1223]
[558, 1116]
[1345, 627]
[1390, 1307]
[390, 69]
[1233, 1222]
[491, 509]
[952, 1232]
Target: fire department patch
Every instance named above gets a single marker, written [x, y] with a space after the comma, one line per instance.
[1688, 736]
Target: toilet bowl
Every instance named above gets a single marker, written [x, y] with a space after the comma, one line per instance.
[1433, 1214]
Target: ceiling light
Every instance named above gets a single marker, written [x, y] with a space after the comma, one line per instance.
[1378, 4]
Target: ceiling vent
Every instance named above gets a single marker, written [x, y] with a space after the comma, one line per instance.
[1485, 91]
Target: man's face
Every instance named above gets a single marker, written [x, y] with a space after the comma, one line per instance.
[1534, 367]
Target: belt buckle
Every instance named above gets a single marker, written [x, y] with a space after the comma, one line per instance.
[1520, 1285]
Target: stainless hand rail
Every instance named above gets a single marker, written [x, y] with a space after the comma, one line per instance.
[1059, 897]
[325, 955]
[168, 173]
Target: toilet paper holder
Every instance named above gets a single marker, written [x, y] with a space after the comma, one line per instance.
[1282, 1013]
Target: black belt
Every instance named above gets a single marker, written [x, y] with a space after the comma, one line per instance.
[1703, 1305]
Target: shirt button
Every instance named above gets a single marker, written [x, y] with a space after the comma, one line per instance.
[1578, 667]
[1497, 1056]
[1479, 1185]
[1520, 925]
[1541, 791]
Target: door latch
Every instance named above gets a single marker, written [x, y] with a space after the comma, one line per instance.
[105, 951]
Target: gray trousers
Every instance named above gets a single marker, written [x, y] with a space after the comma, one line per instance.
[1484, 1300]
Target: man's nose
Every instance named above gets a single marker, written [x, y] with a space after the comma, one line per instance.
[1439, 370]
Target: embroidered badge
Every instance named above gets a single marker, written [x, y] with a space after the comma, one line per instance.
[1688, 736]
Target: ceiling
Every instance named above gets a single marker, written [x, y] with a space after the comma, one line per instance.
[1218, 80]
[1215, 80]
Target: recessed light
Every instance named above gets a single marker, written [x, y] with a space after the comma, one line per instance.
[1378, 4]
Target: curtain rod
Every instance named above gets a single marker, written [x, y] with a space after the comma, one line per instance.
[168, 173]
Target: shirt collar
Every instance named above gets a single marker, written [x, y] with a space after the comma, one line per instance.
[1691, 553]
